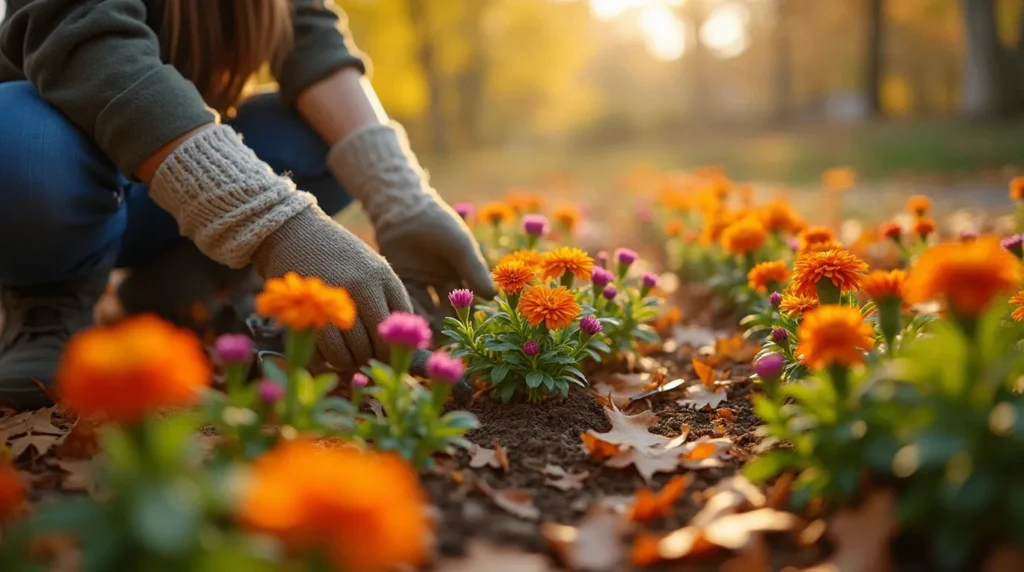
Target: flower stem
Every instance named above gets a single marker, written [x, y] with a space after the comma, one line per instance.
[298, 350]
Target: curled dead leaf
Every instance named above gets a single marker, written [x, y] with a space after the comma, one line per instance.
[726, 414]
[650, 505]
[517, 502]
[594, 544]
[596, 447]
[496, 458]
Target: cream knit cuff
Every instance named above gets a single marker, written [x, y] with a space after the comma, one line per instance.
[376, 166]
[224, 198]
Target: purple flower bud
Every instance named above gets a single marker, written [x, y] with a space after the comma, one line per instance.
[233, 349]
[602, 259]
[610, 292]
[775, 298]
[780, 336]
[625, 256]
[360, 380]
[535, 225]
[601, 277]
[650, 280]
[405, 330]
[465, 210]
[270, 392]
[531, 348]
[1014, 243]
[461, 299]
[590, 326]
[443, 367]
[769, 367]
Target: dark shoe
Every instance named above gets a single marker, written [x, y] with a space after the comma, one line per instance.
[37, 322]
[186, 288]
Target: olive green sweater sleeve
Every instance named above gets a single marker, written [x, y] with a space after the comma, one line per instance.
[98, 62]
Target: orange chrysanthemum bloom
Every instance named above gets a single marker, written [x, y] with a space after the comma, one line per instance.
[524, 202]
[924, 226]
[744, 236]
[815, 235]
[834, 335]
[132, 369]
[891, 230]
[714, 223]
[566, 259]
[365, 511]
[797, 305]
[531, 258]
[1017, 189]
[919, 205]
[778, 216]
[673, 227]
[775, 272]
[556, 307]
[821, 247]
[841, 267]
[967, 275]
[305, 303]
[881, 285]
[567, 217]
[839, 179]
[496, 214]
[513, 277]
[1018, 312]
[12, 493]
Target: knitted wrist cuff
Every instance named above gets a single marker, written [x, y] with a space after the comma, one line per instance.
[224, 198]
[377, 167]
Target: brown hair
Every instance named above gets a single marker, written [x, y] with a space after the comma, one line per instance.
[220, 44]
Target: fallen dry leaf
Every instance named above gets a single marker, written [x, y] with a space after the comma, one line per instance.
[41, 444]
[737, 531]
[561, 479]
[595, 544]
[726, 414]
[516, 502]
[482, 555]
[862, 536]
[81, 442]
[631, 430]
[650, 505]
[496, 458]
[735, 349]
[705, 373]
[81, 475]
[620, 387]
[597, 448]
[699, 397]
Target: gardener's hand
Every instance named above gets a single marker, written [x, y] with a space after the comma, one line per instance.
[425, 241]
[311, 244]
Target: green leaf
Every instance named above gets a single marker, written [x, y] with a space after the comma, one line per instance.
[534, 379]
[274, 372]
[769, 465]
[499, 372]
[496, 346]
[166, 517]
[325, 383]
[505, 392]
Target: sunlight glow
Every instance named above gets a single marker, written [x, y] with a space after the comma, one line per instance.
[725, 31]
[664, 34]
[609, 9]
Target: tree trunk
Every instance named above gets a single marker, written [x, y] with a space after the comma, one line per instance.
[435, 89]
[874, 53]
[783, 62]
[472, 80]
[983, 95]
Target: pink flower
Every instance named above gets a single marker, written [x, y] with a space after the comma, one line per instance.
[780, 336]
[531, 348]
[601, 277]
[443, 367]
[610, 292]
[405, 330]
[465, 210]
[535, 225]
[360, 380]
[590, 325]
[626, 256]
[270, 392]
[775, 298]
[769, 367]
[602, 259]
[233, 349]
[461, 299]
[650, 280]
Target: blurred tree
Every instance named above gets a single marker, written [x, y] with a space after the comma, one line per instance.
[985, 93]
[874, 56]
[783, 71]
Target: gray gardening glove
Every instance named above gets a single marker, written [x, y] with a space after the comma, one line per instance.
[423, 239]
[237, 211]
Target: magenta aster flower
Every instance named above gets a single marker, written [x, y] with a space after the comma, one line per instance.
[610, 292]
[769, 367]
[531, 348]
[405, 330]
[602, 259]
[535, 225]
[461, 299]
[601, 277]
[360, 380]
[443, 367]
[650, 280]
[465, 210]
[775, 298]
[1014, 244]
[233, 349]
[590, 325]
[780, 336]
[270, 392]
[625, 256]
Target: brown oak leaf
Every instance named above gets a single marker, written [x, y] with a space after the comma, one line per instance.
[563, 480]
[595, 544]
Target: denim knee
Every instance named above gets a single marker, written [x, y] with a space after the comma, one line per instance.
[61, 212]
[288, 143]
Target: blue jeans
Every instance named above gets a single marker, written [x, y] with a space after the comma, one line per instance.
[65, 210]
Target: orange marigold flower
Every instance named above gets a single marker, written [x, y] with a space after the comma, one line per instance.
[556, 307]
[566, 259]
[132, 369]
[524, 202]
[12, 493]
[1018, 312]
[797, 305]
[531, 258]
[567, 217]
[766, 273]
[841, 267]
[967, 275]
[821, 247]
[834, 335]
[513, 277]
[305, 303]
[815, 235]
[673, 227]
[1017, 189]
[496, 214]
[363, 510]
[744, 236]
[924, 226]
[881, 285]
[919, 205]
[891, 230]
[778, 216]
